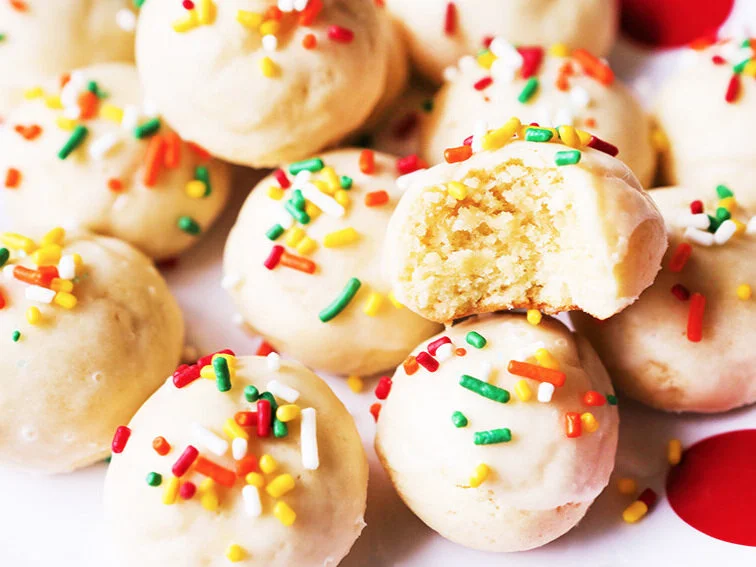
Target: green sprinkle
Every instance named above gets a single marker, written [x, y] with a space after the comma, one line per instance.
[154, 479]
[567, 157]
[251, 394]
[340, 303]
[737, 69]
[280, 429]
[298, 200]
[312, 164]
[147, 128]
[4, 256]
[722, 214]
[138, 3]
[492, 436]
[611, 399]
[107, 459]
[346, 182]
[484, 389]
[201, 173]
[274, 232]
[746, 43]
[189, 225]
[222, 375]
[713, 223]
[427, 105]
[92, 87]
[723, 192]
[2, 37]
[538, 134]
[475, 339]
[528, 90]
[16, 336]
[74, 141]
[459, 419]
[299, 215]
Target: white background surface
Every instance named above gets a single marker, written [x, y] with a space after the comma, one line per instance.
[57, 521]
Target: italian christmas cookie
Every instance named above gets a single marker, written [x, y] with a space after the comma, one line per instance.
[550, 87]
[303, 263]
[94, 154]
[681, 347]
[260, 464]
[499, 434]
[440, 32]
[261, 83]
[545, 221]
[40, 39]
[88, 331]
[719, 104]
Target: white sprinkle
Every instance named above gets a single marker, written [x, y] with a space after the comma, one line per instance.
[285, 220]
[39, 294]
[230, 281]
[751, 226]
[130, 117]
[286, 5]
[503, 72]
[274, 361]
[282, 391]
[580, 97]
[404, 181]
[126, 20]
[8, 272]
[486, 368]
[325, 203]
[698, 236]
[506, 52]
[209, 440]
[149, 108]
[301, 179]
[444, 352]
[237, 319]
[269, 42]
[725, 231]
[239, 448]
[67, 267]
[100, 147]
[76, 83]
[450, 73]
[468, 63]
[479, 130]
[300, 5]
[252, 503]
[700, 220]
[308, 438]
[72, 112]
[545, 391]
[563, 117]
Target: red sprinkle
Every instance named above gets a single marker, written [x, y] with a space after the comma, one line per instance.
[680, 257]
[187, 490]
[308, 15]
[383, 388]
[274, 257]
[264, 349]
[120, 438]
[208, 358]
[188, 4]
[2, 300]
[467, 141]
[427, 361]
[483, 83]
[185, 461]
[115, 185]
[186, 375]
[696, 207]
[339, 34]
[593, 398]
[199, 151]
[603, 146]
[531, 60]
[433, 346]
[246, 418]
[367, 162]
[648, 497]
[12, 178]
[487, 41]
[263, 418]
[695, 317]
[409, 163]
[733, 89]
[680, 292]
[573, 425]
[450, 19]
[718, 60]
[161, 446]
[281, 178]
[376, 198]
[375, 410]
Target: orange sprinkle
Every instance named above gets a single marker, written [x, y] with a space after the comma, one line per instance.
[161, 446]
[12, 178]
[198, 150]
[460, 351]
[376, 198]
[219, 474]
[590, 122]
[593, 66]
[308, 15]
[29, 132]
[153, 160]
[19, 5]
[309, 41]
[264, 349]
[298, 263]
[273, 13]
[535, 372]
[455, 155]
[88, 105]
[410, 365]
[115, 185]
[562, 83]
[172, 150]
[367, 162]
[247, 465]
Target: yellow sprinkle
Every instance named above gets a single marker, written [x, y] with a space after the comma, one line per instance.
[330, 177]
[659, 140]
[479, 475]
[342, 198]
[255, 479]
[569, 136]
[559, 50]
[546, 359]
[195, 189]
[534, 316]
[456, 190]
[209, 500]
[355, 384]
[268, 67]
[54, 236]
[33, 92]
[635, 512]
[58, 284]
[373, 304]
[270, 27]
[523, 391]
[206, 12]
[497, 138]
[486, 59]
[18, 242]
[111, 112]
[187, 22]
[584, 136]
[306, 246]
[235, 553]
[251, 20]
[294, 236]
[268, 464]
[233, 430]
[33, 315]
[312, 211]
[750, 68]
[208, 372]
[230, 361]
[739, 227]
[590, 424]
[744, 291]
[66, 124]
[323, 187]
[171, 491]
[341, 237]
[65, 300]
[728, 203]
[53, 102]
[280, 485]
[395, 302]
[48, 255]
[287, 412]
[78, 262]
[627, 486]
[284, 513]
[275, 192]
[674, 452]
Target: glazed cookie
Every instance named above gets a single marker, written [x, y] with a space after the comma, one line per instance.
[94, 155]
[440, 32]
[683, 345]
[225, 473]
[260, 83]
[524, 224]
[303, 264]
[499, 434]
[88, 331]
[719, 104]
[40, 39]
[555, 88]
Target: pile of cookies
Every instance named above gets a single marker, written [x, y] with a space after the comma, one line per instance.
[125, 126]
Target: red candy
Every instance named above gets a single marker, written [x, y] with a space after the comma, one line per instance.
[340, 34]
[433, 346]
[263, 418]
[281, 178]
[593, 398]
[185, 461]
[427, 361]
[187, 490]
[383, 388]
[573, 425]
[680, 257]
[186, 375]
[120, 438]
[696, 207]
[680, 292]
[375, 410]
